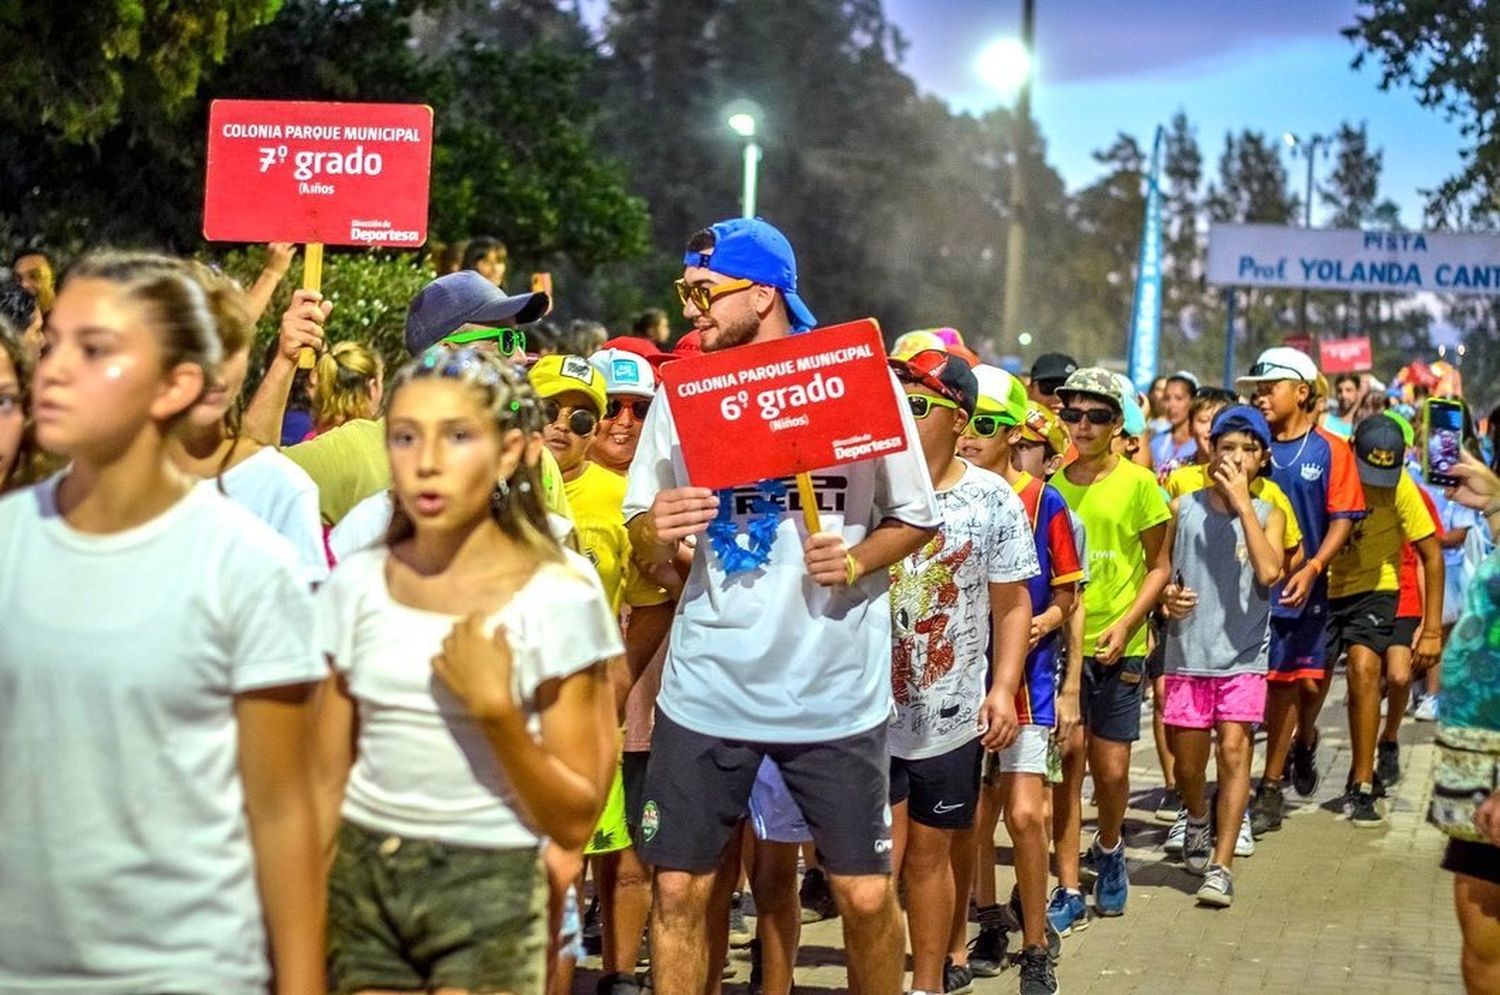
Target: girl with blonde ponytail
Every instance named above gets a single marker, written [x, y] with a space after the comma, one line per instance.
[156, 677]
[348, 385]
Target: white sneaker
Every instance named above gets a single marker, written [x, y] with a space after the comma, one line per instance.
[1217, 888]
[1244, 846]
[1427, 711]
[1176, 833]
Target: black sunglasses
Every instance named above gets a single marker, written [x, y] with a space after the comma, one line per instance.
[1049, 387]
[638, 408]
[1269, 369]
[1095, 416]
[580, 422]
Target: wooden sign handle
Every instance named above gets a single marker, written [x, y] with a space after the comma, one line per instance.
[312, 279]
[809, 503]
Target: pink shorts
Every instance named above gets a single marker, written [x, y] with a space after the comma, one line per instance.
[1202, 702]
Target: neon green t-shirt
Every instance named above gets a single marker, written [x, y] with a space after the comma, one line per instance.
[1115, 510]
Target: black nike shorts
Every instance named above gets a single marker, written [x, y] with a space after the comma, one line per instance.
[942, 791]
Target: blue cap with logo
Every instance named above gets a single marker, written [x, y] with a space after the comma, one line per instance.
[752, 249]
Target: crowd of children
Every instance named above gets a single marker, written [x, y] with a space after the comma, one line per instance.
[366, 712]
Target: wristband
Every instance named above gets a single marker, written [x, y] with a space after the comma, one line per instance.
[1493, 508]
[1316, 564]
[851, 570]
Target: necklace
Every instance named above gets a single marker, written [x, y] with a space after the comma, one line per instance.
[760, 531]
[1286, 466]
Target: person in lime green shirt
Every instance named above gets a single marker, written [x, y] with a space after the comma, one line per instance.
[1125, 516]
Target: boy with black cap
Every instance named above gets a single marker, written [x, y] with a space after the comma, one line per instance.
[1226, 553]
[787, 655]
[1125, 516]
[1047, 374]
[964, 592]
[1362, 596]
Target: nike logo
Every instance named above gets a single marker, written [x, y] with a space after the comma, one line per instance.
[943, 809]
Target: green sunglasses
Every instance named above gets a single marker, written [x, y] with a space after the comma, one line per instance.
[512, 340]
[986, 426]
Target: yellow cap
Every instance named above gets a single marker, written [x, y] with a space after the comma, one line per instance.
[553, 375]
[1041, 425]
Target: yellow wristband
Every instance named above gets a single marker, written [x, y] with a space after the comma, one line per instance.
[851, 570]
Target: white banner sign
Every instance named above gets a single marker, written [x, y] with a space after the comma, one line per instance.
[1349, 259]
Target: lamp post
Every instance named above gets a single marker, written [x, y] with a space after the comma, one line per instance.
[1310, 150]
[1007, 66]
[743, 123]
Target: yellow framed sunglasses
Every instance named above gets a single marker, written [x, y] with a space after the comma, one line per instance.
[703, 295]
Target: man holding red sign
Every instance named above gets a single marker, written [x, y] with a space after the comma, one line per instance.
[780, 648]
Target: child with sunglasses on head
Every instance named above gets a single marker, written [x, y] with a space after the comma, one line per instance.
[574, 396]
[1226, 553]
[1015, 780]
[960, 606]
[159, 826]
[1126, 516]
[470, 714]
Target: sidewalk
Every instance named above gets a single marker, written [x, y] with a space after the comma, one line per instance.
[1321, 907]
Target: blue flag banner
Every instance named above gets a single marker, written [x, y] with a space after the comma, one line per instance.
[1145, 312]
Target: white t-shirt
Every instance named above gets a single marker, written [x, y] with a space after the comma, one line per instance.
[423, 768]
[367, 522]
[771, 655]
[940, 610]
[126, 863]
[281, 494]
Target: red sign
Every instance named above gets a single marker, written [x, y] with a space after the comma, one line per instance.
[340, 174]
[805, 402]
[1345, 355]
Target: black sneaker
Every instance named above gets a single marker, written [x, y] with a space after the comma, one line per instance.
[1037, 976]
[1388, 763]
[593, 929]
[1362, 811]
[987, 952]
[957, 978]
[757, 979]
[1011, 911]
[617, 984]
[1305, 768]
[1265, 811]
[816, 897]
[1088, 869]
[1166, 809]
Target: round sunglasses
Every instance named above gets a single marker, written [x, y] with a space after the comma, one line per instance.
[580, 422]
[638, 408]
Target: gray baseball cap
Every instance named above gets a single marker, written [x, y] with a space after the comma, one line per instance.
[448, 303]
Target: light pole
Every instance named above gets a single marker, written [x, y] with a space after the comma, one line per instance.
[1005, 65]
[743, 123]
[1310, 150]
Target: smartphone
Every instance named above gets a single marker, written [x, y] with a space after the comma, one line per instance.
[1443, 420]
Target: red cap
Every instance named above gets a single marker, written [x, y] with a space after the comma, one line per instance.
[688, 346]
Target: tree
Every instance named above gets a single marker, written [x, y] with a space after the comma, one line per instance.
[1351, 188]
[1449, 52]
[74, 68]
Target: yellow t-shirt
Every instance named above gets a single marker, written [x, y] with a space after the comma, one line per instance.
[349, 464]
[1115, 510]
[1187, 479]
[1371, 559]
[597, 498]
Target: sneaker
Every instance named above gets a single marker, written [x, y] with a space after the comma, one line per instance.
[1244, 844]
[593, 929]
[617, 984]
[1037, 975]
[1171, 801]
[1112, 889]
[1197, 845]
[987, 952]
[1217, 888]
[1011, 913]
[816, 897]
[1067, 912]
[957, 978]
[1088, 868]
[1427, 710]
[1361, 805]
[1388, 763]
[757, 970]
[1054, 942]
[1173, 842]
[1305, 768]
[740, 934]
[1265, 811]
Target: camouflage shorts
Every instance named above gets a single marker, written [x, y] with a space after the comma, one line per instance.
[411, 915]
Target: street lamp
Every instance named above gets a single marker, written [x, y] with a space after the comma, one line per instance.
[1310, 150]
[742, 118]
[1007, 65]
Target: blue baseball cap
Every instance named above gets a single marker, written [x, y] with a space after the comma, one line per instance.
[448, 303]
[752, 249]
[1242, 418]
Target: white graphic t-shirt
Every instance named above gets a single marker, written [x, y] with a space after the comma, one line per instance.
[940, 613]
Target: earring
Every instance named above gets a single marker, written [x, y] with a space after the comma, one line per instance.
[524, 486]
[500, 495]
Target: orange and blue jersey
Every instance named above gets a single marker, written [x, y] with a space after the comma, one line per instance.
[1036, 697]
[1319, 476]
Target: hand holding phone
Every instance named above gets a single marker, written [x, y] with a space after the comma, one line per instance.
[1443, 421]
